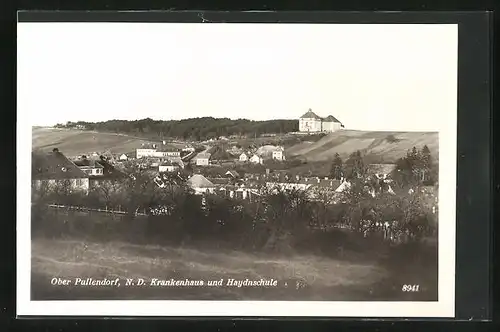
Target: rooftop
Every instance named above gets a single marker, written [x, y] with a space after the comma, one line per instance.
[310, 115]
[54, 166]
[203, 155]
[331, 118]
[199, 181]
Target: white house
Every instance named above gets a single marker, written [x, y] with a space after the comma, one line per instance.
[243, 157]
[167, 167]
[278, 154]
[256, 159]
[144, 153]
[311, 122]
[202, 159]
[200, 184]
[330, 124]
[155, 151]
[123, 157]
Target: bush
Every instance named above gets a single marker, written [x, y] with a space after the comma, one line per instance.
[391, 139]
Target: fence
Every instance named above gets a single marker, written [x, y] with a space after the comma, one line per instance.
[86, 209]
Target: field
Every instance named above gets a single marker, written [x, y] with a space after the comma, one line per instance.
[306, 277]
[375, 145]
[74, 142]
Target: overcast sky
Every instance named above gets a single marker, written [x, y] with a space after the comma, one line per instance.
[374, 77]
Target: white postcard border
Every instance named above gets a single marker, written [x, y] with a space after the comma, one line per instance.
[444, 307]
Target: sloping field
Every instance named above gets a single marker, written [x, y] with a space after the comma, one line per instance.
[375, 144]
[75, 142]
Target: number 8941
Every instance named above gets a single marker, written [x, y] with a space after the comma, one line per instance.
[411, 288]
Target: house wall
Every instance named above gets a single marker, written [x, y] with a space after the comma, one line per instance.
[141, 153]
[76, 184]
[202, 162]
[168, 168]
[243, 157]
[92, 170]
[278, 155]
[309, 125]
[330, 126]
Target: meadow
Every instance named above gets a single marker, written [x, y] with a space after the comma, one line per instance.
[378, 146]
[74, 142]
[342, 270]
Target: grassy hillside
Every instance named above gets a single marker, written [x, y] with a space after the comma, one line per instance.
[74, 142]
[378, 146]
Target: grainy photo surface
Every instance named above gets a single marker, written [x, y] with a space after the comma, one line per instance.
[236, 162]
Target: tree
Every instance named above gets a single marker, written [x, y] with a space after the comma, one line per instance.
[426, 163]
[337, 169]
[355, 166]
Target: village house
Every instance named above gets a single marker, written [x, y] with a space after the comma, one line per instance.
[200, 184]
[53, 168]
[381, 171]
[233, 174]
[203, 159]
[255, 159]
[168, 166]
[243, 157]
[90, 166]
[188, 148]
[311, 122]
[110, 175]
[278, 154]
[123, 157]
[157, 151]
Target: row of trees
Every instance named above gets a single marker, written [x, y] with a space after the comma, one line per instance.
[196, 128]
[275, 221]
[353, 168]
[416, 168]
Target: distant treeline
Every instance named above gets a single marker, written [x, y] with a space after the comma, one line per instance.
[195, 128]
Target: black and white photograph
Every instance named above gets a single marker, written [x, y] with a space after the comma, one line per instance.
[253, 169]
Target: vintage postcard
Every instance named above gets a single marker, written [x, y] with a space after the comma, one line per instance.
[186, 169]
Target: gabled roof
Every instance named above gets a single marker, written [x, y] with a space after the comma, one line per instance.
[310, 115]
[54, 166]
[233, 173]
[199, 181]
[203, 155]
[331, 118]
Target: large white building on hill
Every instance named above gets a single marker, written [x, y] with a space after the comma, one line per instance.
[311, 122]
